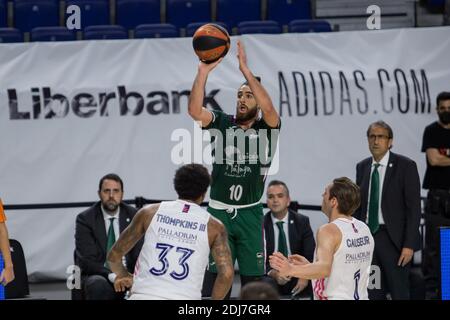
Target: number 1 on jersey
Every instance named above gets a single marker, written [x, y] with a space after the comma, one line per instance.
[356, 277]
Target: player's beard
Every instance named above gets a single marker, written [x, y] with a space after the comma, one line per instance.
[244, 117]
[110, 206]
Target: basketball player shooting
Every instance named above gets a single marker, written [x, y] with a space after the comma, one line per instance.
[179, 236]
[344, 250]
[238, 182]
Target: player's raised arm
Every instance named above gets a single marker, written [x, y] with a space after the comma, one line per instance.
[221, 253]
[195, 107]
[270, 114]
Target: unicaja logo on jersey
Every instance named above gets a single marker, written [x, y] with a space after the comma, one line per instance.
[230, 151]
[233, 147]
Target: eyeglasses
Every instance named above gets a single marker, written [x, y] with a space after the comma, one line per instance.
[373, 137]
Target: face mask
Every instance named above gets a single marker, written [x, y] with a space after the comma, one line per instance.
[444, 117]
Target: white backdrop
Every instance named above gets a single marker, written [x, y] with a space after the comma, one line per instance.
[72, 112]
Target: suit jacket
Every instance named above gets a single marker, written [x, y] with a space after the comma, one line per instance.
[301, 237]
[400, 199]
[91, 239]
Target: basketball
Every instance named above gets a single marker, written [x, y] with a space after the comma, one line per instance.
[211, 42]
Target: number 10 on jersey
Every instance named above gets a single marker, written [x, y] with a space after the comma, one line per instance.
[235, 192]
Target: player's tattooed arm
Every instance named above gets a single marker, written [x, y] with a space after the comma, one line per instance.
[128, 239]
[221, 253]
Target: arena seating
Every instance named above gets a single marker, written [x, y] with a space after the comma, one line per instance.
[182, 12]
[232, 12]
[93, 12]
[3, 14]
[52, 34]
[131, 13]
[192, 27]
[302, 26]
[284, 11]
[29, 14]
[267, 26]
[160, 17]
[105, 32]
[161, 30]
[9, 35]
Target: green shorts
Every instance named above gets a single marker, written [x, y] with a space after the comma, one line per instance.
[245, 237]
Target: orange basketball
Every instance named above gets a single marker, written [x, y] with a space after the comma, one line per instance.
[211, 42]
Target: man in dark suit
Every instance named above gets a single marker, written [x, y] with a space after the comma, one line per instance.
[97, 228]
[390, 205]
[287, 232]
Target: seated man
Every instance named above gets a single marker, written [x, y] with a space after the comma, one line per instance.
[97, 229]
[287, 232]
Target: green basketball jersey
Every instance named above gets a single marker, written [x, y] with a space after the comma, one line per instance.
[242, 159]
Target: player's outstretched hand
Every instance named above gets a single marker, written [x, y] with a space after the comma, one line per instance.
[298, 260]
[279, 262]
[276, 275]
[208, 67]
[121, 284]
[242, 56]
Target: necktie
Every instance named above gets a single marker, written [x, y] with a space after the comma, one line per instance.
[111, 237]
[282, 243]
[374, 201]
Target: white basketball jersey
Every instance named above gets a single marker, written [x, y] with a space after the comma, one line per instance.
[175, 254]
[350, 271]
